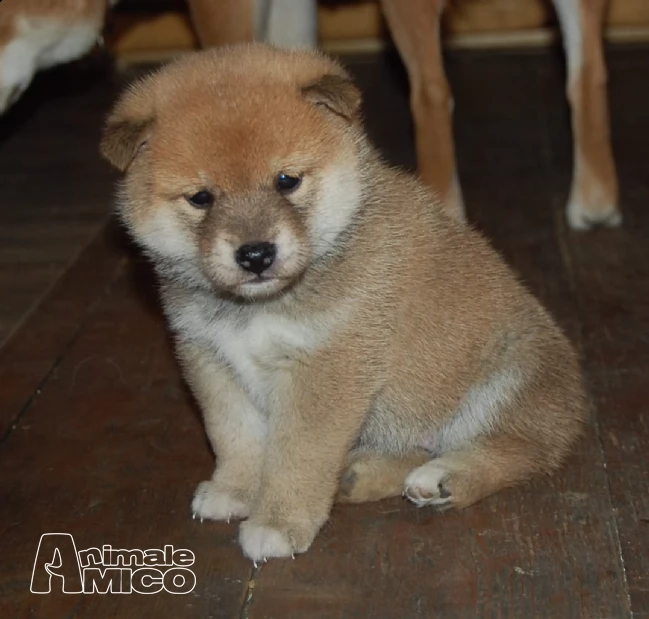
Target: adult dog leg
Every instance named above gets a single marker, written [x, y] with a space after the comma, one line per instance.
[594, 193]
[415, 28]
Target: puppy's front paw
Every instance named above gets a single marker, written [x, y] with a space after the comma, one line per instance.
[261, 541]
[429, 485]
[213, 503]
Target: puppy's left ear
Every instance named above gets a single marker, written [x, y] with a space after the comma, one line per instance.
[336, 93]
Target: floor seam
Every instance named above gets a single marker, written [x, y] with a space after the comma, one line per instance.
[31, 401]
[250, 590]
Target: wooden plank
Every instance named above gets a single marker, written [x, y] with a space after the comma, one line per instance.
[356, 20]
[612, 283]
[111, 452]
[548, 549]
[27, 359]
[611, 279]
[510, 40]
[628, 12]
[139, 32]
[621, 404]
[54, 190]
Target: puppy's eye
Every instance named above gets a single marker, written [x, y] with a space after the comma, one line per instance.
[202, 199]
[286, 183]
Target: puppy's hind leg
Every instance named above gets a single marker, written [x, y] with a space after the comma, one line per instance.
[493, 462]
[527, 426]
[459, 479]
[372, 476]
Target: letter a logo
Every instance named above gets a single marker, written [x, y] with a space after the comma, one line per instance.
[56, 556]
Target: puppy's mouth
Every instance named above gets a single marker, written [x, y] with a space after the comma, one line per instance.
[256, 280]
[263, 285]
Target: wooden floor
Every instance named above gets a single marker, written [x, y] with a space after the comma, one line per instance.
[54, 191]
[101, 440]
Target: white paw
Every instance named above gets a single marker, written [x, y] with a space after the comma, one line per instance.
[260, 542]
[582, 218]
[426, 486]
[18, 65]
[213, 504]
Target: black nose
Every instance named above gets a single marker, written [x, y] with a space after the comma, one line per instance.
[256, 257]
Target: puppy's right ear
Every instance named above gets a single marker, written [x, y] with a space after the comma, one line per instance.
[129, 125]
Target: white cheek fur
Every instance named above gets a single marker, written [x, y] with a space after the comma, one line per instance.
[338, 200]
[162, 233]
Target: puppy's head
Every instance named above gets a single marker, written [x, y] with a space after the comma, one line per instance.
[241, 165]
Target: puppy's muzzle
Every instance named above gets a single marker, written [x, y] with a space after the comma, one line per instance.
[256, 257]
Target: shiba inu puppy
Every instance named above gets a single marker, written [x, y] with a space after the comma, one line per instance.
[342, 335]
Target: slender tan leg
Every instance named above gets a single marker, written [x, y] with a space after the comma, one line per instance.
[372, 476]
[594, 193]
[221, 22]
[415, 28]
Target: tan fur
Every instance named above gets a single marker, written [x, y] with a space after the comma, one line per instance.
[388, 346]
[64, 11]
[71, 9]
[415, 27]
[223, 22]
[36, 34]
[594, 193]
